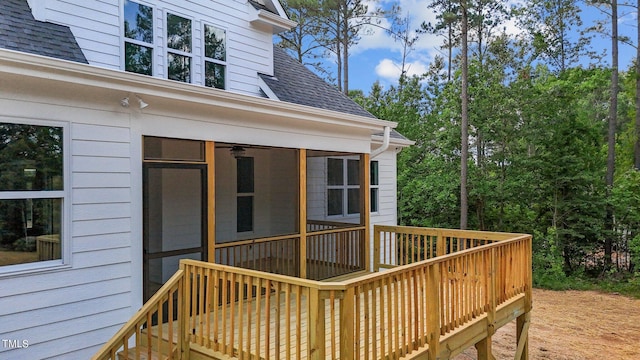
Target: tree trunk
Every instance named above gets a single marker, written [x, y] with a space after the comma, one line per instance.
[464, 154]
[611, 134]
[636, 149]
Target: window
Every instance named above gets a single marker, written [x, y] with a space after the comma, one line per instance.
[245, 190]
[181, 48]
[343, 187]
[215, 56]
[178, 48]
[31, 193]
[138, 33]
[375, 185]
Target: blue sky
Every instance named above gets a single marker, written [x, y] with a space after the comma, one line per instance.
[377, 56]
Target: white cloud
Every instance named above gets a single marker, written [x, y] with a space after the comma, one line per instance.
[391, 71]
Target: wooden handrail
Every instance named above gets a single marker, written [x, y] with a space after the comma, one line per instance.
[132, 327]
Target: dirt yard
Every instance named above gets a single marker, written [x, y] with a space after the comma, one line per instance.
[575, 325]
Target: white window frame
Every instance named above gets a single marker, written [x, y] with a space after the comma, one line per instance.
[376, 186]
[345, 187]
[63, 195]
[206, 59]
[252, 195]
[168, 50]
[125, 39]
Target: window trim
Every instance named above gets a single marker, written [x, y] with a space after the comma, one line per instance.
[345, 187]
[373, 186]
[64, 195]
[206, 59]
[251, 195]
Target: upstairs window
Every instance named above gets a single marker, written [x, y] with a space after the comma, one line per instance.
[138, 33]
[343, 187]
[215, 56]
[179, 48]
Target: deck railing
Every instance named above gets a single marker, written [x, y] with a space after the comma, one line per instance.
[164, 314]
[431, 306]
[332, 249]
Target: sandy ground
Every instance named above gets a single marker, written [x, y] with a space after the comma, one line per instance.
[575, 325]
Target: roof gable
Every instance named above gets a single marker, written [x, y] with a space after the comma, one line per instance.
[21, 32]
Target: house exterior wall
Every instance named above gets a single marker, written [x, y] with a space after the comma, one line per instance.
[71, 307]
[317, 190]
[68, 310]
[97, 27]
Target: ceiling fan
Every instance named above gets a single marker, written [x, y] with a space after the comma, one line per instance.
[239, 150]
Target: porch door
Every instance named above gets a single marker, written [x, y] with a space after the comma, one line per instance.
[175, 220]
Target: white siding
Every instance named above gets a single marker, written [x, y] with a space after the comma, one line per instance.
[316, 192]
[72, 310]
[275, 196]
[97, 26]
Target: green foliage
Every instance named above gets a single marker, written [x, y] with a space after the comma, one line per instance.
[547, 261]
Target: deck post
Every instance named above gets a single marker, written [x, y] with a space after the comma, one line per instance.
[441, 244]
[484, 346]
[302, 211]
[433, 310]
[484, 349]
[522, 336]
[211, 201]
[347, 341]
[376, 248]
[316, 332]
[184, 302]
[365, 210]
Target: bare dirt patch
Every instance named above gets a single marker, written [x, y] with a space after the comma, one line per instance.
[568, 325]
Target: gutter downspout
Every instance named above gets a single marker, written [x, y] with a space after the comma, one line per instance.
[385, 143]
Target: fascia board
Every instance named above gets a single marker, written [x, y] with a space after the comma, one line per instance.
[378, 139]
[36, 66]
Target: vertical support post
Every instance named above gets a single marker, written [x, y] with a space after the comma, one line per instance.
[376, 248]
[316, 334]
[522, 336]
[433, 310]
[523, 321]
[441, 244]
[211, 201]
[347, 341]
[484, 346]
[184, 301]
[302, 210]
[365, 209]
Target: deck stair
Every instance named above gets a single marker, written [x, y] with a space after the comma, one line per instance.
[442, 292]
[141, 353]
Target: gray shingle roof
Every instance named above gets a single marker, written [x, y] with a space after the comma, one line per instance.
[21, 32]
[293, 82]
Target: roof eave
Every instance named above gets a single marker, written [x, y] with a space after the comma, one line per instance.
[46, 68]
[276, 22]
[393, 141]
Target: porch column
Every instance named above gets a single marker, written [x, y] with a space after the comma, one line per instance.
[365, 207]
[210, 157]
[302, 210]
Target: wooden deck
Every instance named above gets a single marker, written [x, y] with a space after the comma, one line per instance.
[278, 347]
[435, 305]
